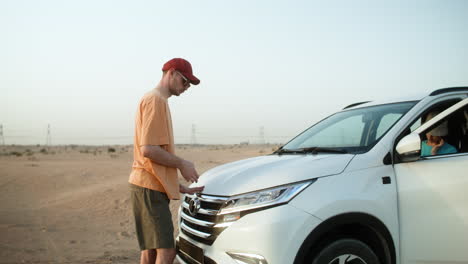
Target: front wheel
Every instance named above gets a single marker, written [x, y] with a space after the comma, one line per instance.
[346, 251]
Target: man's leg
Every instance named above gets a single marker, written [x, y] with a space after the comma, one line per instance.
[148, 256]
[165, 255]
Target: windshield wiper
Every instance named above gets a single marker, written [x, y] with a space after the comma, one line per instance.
[287, 151]
[315, 150]
[312, 150]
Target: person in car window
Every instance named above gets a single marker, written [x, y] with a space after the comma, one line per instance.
[435, 144]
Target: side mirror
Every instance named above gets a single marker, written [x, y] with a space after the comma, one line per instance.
[409, 147]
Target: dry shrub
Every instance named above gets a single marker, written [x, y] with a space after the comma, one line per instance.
[16, 153]
[32, 158]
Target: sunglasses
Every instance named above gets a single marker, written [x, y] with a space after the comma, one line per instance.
[186, 81]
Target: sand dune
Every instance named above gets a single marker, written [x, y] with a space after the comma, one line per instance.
[70, 204]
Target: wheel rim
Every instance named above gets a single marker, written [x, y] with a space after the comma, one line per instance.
[347, 259]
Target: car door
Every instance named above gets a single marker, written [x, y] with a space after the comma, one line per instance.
[433, 204]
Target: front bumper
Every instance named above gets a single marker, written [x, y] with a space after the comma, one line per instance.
[276, 234]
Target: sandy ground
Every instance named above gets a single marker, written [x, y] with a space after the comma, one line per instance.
[70, 204]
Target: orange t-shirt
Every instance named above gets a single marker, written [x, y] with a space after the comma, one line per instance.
[153, 126]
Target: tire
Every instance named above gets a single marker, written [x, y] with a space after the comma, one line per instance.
[346, 251]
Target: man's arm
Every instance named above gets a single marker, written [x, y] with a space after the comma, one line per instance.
[160, 156]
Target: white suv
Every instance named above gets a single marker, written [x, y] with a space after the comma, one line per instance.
[352, 188]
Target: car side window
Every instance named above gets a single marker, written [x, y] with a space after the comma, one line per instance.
[448, 137]
[416, 124]
[458, 129]
[419, 120]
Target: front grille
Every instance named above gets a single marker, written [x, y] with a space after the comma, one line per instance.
[202, 225]
[188, 260]
[187, 257]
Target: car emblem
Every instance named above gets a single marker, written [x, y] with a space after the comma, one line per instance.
[194, 206]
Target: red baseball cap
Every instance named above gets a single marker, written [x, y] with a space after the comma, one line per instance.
[183, 67]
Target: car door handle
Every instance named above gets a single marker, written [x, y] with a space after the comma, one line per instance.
[386, 180]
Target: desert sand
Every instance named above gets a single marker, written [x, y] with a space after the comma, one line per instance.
[69, 204]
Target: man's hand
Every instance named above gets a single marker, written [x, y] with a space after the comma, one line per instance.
[436, 147]
[185, 189]
[187, 169]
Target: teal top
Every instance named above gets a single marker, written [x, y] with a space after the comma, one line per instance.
[445, 149]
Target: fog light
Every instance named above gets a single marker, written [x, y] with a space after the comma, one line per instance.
[231, 217]
[247, 258]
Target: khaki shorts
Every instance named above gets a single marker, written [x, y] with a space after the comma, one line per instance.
[153, 219]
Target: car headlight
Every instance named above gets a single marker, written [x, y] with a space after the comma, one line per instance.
[239, 205]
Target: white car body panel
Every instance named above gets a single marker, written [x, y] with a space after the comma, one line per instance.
[433, 210]
[269, 171]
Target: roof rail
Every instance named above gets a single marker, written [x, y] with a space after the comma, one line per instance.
[449, 89]
[355, 104]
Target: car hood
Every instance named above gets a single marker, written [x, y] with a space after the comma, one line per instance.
[268, 171]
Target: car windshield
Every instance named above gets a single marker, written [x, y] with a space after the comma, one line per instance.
[351, 131]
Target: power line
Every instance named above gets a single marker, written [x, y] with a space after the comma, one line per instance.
[193, 138]
[2, 139]
[196, 137]
[262, 135]
[49, 137]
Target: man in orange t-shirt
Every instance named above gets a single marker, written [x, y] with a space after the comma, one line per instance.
[153, 180]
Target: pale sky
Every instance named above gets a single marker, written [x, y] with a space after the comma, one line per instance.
[82, 66]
